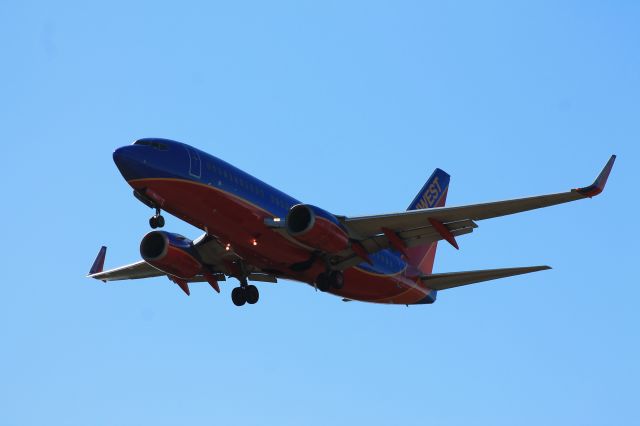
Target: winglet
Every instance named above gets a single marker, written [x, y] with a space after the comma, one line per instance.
[598, 185]
[98, 264]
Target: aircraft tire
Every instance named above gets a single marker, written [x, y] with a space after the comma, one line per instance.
[252, 295]
[153, 222]
[238, 296]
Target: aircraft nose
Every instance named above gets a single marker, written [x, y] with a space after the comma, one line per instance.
[119, 153]
[126, 161]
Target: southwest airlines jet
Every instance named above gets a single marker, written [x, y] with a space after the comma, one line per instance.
[256, 233]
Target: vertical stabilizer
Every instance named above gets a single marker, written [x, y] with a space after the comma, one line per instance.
[432, 194]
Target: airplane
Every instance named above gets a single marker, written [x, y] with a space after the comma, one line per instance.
[256, 233]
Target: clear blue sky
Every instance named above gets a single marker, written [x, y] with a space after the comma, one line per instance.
[350, 106]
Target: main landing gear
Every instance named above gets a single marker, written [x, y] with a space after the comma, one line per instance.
[330, 279]
[156, 221]
[245, 294]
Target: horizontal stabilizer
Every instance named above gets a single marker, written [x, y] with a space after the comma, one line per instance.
[457, 279]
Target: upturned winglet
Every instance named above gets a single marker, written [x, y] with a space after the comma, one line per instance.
[98, 264]
[598, 185]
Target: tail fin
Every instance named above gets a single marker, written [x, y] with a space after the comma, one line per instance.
[432, 194]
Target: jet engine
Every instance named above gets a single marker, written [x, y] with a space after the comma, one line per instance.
[170, 253]
[316, 228]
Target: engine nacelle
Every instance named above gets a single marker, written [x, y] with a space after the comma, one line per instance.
[316, 228]
[170, 253]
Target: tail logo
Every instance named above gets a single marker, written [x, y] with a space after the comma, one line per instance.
[431, 195]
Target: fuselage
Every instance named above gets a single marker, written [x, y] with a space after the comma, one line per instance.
[232, 205]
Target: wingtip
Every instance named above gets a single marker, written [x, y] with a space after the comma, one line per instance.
[98, 264]
[598, 185]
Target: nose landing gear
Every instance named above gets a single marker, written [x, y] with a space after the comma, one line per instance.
[156, 221]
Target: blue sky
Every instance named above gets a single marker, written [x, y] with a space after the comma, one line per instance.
[350, 106]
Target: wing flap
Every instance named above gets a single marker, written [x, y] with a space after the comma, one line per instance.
[418, 236]
[410, 238]
[457, 279]
[428, 234]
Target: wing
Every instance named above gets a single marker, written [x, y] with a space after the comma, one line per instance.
[133, 271]
[415, 227]
[210, 251]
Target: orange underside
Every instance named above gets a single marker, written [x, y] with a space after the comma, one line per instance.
[241, 224]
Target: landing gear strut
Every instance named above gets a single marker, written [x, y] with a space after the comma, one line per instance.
[245, 294]
[329, 280]
[156, 221]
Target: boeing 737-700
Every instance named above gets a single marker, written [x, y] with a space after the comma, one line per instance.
[256, 233]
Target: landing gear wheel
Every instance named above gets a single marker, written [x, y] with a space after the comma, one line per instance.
[238, 296]
[156, 222]
[251, 293]
[336, 279]
[322, 282]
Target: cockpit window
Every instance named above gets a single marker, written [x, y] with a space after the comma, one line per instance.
[154, 144]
